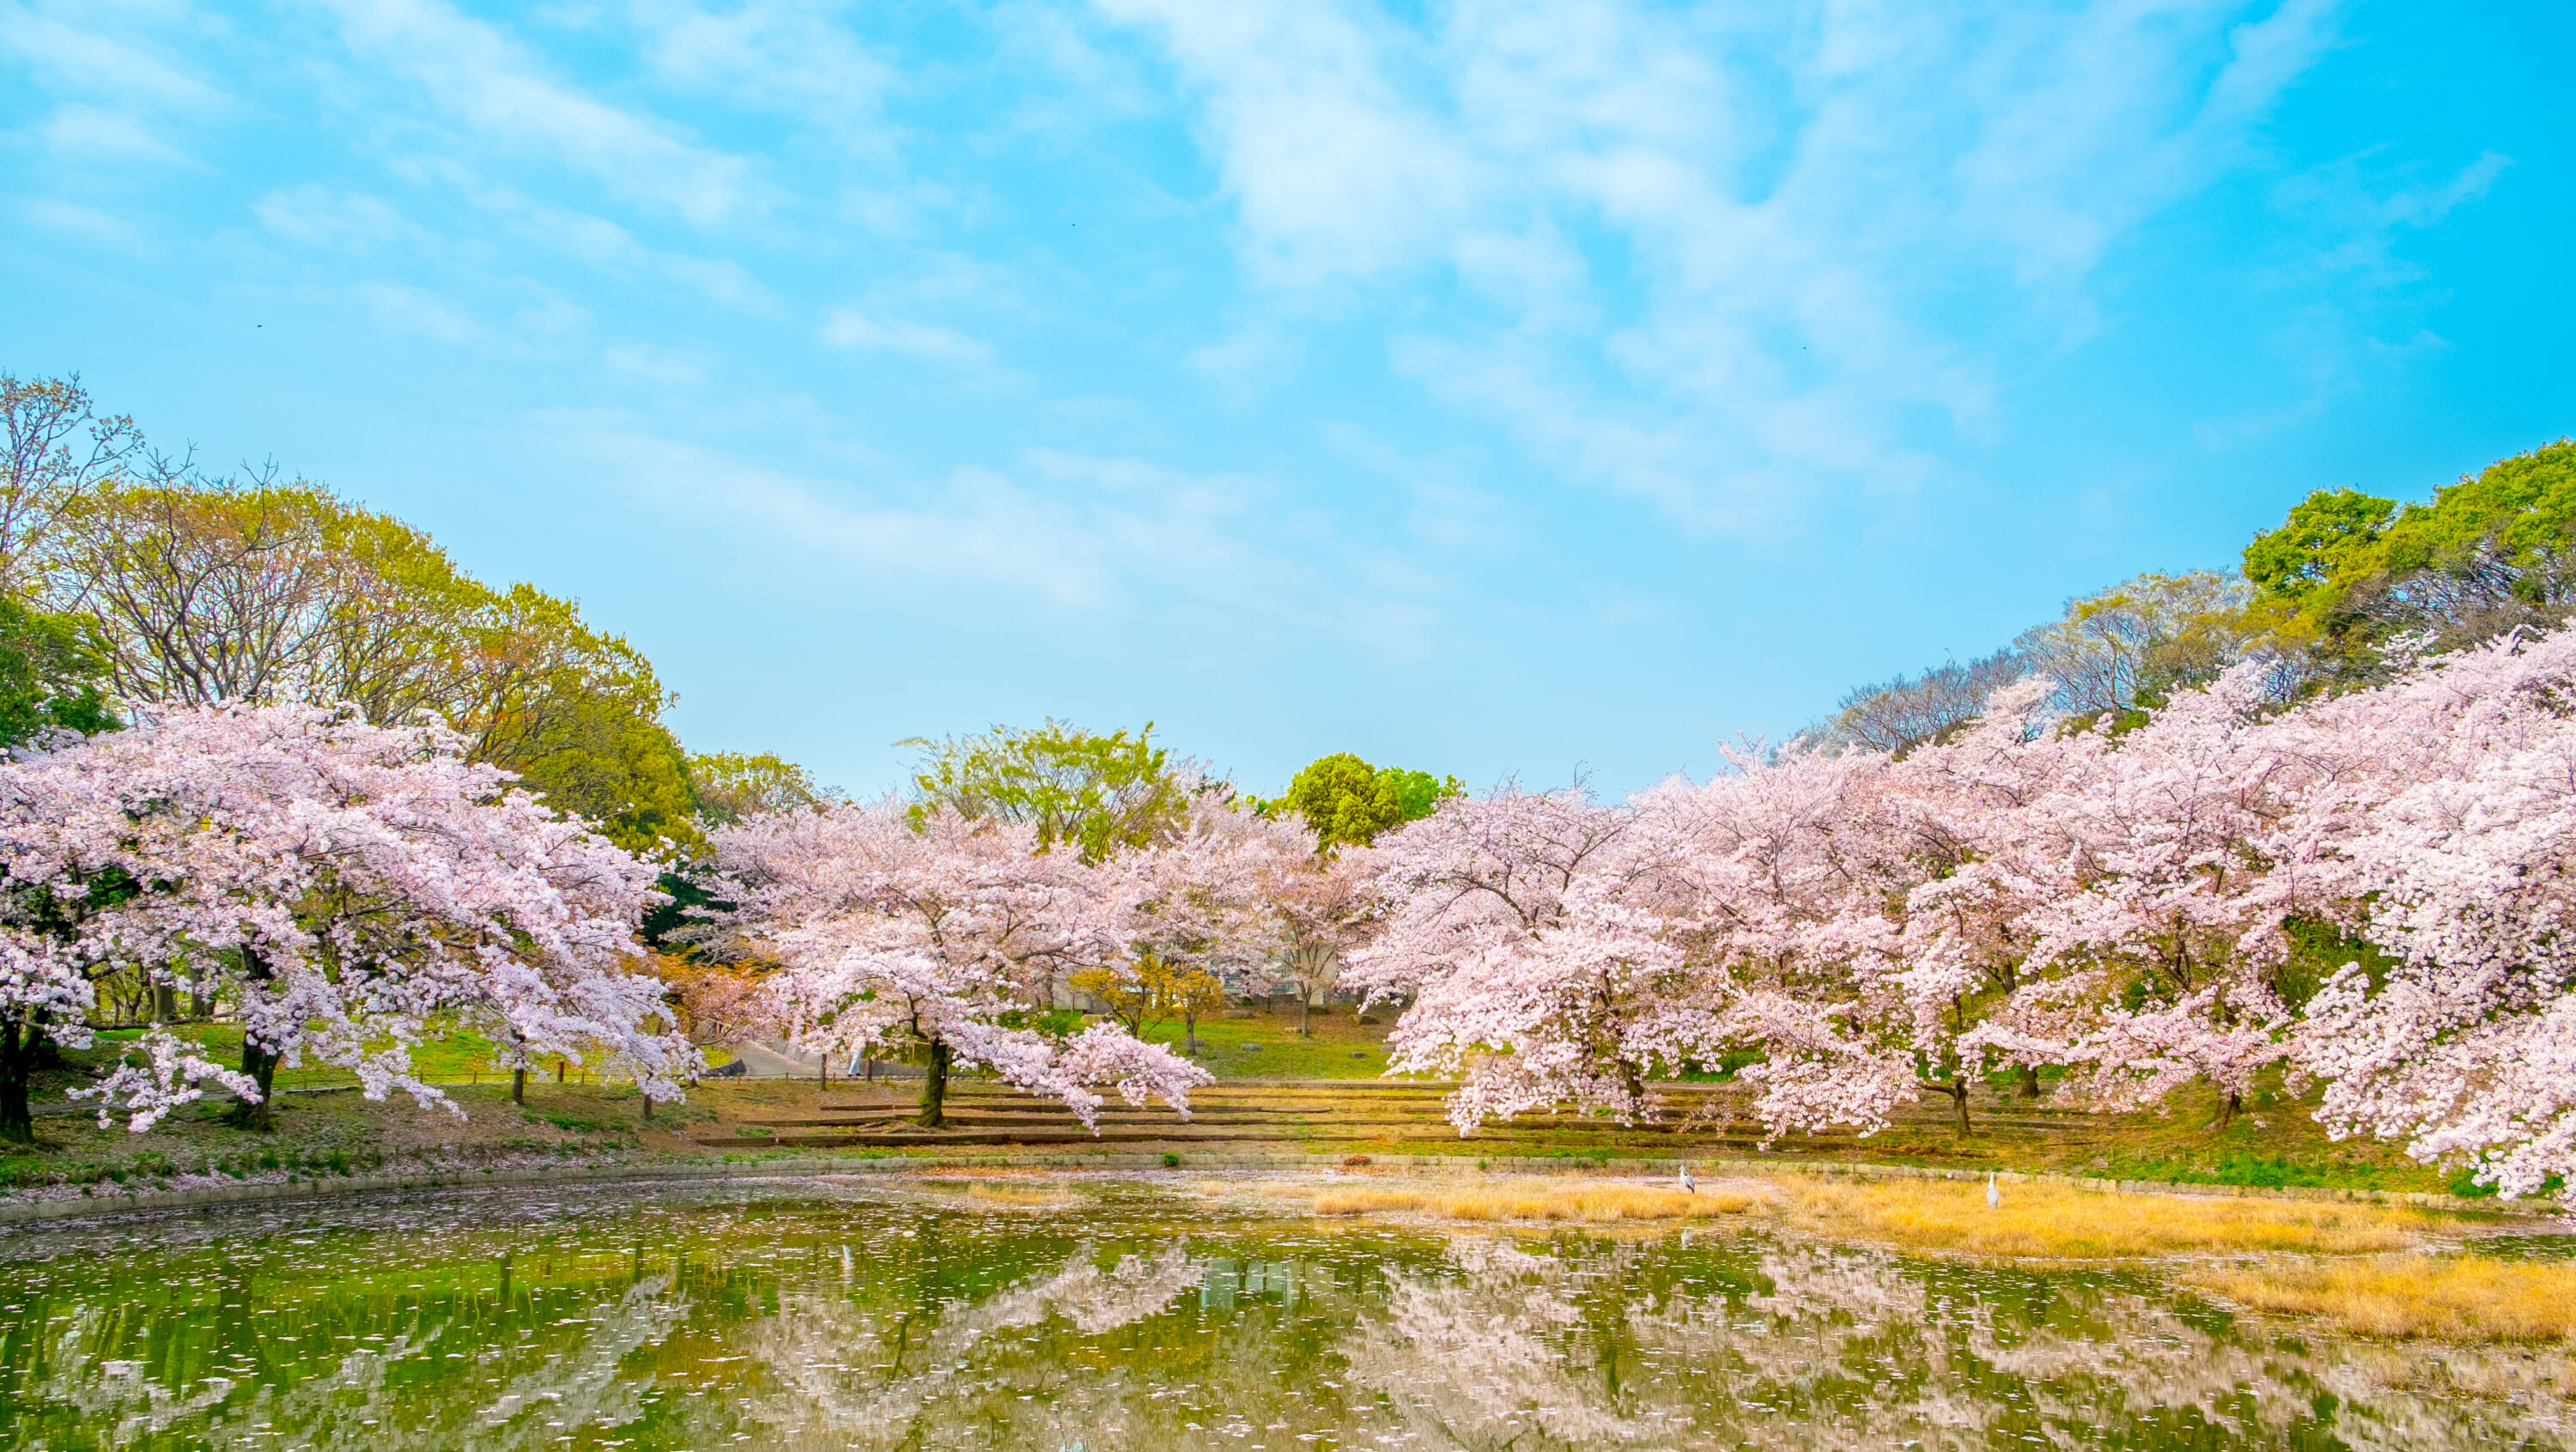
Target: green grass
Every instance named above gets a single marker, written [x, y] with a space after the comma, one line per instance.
[1267, 1046]
[458, 1058]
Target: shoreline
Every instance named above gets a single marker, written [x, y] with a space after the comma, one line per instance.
[123, 1203]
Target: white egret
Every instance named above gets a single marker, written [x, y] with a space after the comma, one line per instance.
[1994, 1197]
[1689, 1186]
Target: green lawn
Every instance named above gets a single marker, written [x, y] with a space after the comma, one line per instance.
[1267, 1047]
[459, 1058]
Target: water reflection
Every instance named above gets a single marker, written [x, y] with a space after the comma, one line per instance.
[869, 1317]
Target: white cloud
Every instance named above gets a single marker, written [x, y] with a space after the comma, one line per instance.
[89, 224]
[782, 56]
[1735, 266]
[661, 366]
[108, 68]
[92, 133]
[850, 328]
[489, 83]
[401, 308]
[319, 216]
[1214, 556]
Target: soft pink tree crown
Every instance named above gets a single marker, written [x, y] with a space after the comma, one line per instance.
[345, 886]
[1853, 929]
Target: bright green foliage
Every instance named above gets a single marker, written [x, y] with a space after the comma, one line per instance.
[1348, 801]
[51, 676]
[2348, 572]
[1096, 791]
[2323, 537]
[732, 785]
[578, 715]
[186, 589]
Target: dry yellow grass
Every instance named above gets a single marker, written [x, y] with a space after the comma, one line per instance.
[2060, 1223]
[2453, 1297]
[1015, 1194]
[1592, 1202]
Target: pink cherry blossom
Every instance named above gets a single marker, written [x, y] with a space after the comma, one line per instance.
[346, 888]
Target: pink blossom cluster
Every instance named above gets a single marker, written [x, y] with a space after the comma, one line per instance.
[2372, 890]
[894, 929]
[342, 889]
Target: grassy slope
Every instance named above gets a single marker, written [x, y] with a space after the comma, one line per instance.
[2276, 1144]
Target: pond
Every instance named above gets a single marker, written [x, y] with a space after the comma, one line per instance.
[1127, 1313]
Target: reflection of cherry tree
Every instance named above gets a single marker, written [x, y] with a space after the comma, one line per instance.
[1864, 1349]
[1576, 1347]
[1481, 1357]
[374, 1399]
[846, 1373]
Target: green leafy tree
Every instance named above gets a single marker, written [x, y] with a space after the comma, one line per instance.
[51, 676]
[732, 785]
[1347, 801]
[2349, 574]
[1093, 791]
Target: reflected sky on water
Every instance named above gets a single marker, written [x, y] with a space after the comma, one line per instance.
[1133, 1314]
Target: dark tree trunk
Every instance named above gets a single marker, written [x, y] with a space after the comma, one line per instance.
[519, 1084]
[934, 1086]
[648, 1101]
[1957, 1089]
[1305, 1014]
[261, 1065]
[258, 1061]
[165, 1002]
[2233, 1106]
[18, 1042]
[2030, 1081]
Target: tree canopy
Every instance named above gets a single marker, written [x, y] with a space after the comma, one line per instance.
[1349, 802]
[1093, 791]
[150, 581]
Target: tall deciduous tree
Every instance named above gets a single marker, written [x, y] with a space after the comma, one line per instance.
[59, 450]
[1091, 791]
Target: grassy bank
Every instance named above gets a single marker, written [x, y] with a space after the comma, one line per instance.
[1338, 1105]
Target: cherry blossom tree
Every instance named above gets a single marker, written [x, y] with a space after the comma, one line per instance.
[2454, 820]
[1324, 909]
[923, 929]
[345, 887]
[1197, 910]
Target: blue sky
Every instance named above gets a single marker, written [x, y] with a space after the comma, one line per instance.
[1487, 388]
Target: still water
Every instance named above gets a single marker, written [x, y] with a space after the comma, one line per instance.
[1130, 1314]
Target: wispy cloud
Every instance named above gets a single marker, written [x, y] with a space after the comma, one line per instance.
[1727, 261]
[480, 78]
[850, 328]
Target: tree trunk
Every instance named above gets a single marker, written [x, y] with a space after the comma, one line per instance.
[519, 1084]
[18, 1043]
[2030, 1081]
[261, 1065]
[934, 1086]
[1190, 1033]
[1957, 1089]
[1305, 1014]
[165, 1003]
[257, 1060]
[648, 1101]
[2230, 1108]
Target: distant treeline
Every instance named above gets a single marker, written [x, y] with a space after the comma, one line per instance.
[131, 576]
[2347, 589]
